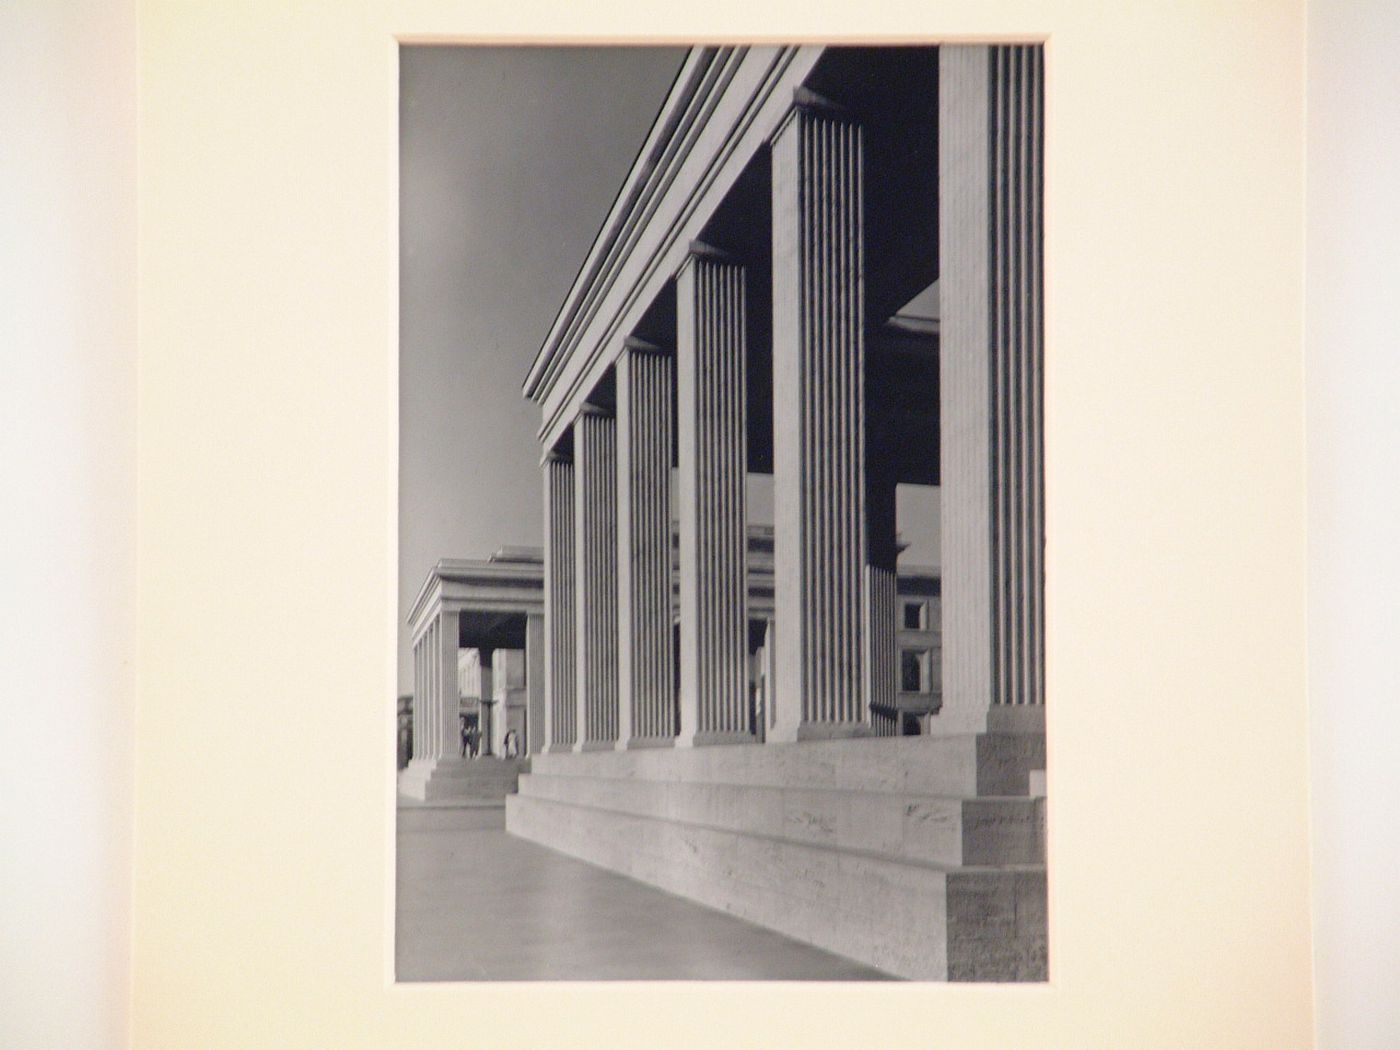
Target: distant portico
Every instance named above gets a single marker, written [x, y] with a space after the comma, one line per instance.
[493, 607]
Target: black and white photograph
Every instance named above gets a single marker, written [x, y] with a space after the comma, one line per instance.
[721, 524]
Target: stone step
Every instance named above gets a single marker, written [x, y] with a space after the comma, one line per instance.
[948, 831]
[458, 778]
[911, 919]
[958, 766]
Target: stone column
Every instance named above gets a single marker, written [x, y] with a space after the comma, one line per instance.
[446, 633]
[559, 615]
[770, 675]
[645, 378]
[881, 587]
[595, 573]
[535, 738]
[430, 700]
[819, 423]
[712, 459]
[423, 744]
[487, 713]
[420, 700]
[990, 150]
[507, 694]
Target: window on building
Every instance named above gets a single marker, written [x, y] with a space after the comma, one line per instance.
[913, 671]
[916, 616]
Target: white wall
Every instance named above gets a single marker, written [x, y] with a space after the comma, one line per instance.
[67, 514]
[1353, 406]
[264, 887]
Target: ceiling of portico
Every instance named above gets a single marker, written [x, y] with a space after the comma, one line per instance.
[491, 630]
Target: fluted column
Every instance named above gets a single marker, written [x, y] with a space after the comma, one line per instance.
[819, 423]
[430, 704]
[535, 738]
[595, 574]
[435, 689]
[560, 614]
[990, 149]
[434, 692]
[423, 700]
[881, 584]
[712, 459]
[420, 700]
[645, 378]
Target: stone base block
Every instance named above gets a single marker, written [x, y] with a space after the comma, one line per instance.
[838, 902]
[888, 914]
[964, 765]
[948, 831]
[923, 857]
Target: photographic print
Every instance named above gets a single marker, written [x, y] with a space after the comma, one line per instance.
[721, 595]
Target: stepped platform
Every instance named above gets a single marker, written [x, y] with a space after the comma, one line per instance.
[486, 779]
[921, 856]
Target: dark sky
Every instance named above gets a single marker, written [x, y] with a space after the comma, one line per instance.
[510, 159]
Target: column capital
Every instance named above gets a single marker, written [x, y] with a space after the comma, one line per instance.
[588, 409]
[632, 344]
[808, 102]
[702, 251]
[553, 455]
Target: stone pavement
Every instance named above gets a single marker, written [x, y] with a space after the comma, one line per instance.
[475, 903]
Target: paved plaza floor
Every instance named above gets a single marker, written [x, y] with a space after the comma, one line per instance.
[475, 903]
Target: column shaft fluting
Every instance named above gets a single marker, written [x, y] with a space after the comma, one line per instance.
[990, 156]
[595, 573]
[429, 697]
[431, 710]
[712, 458]
[819, 423]
[419, 699]
[435, 690]
[560, 614]
[645, 378]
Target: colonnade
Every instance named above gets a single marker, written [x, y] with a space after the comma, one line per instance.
[494, 606]
[829, 655]
[435, 732]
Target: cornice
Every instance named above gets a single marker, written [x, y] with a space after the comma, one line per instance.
[472, 572]
[659, 155]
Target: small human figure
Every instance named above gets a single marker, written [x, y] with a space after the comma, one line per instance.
[512, 744]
